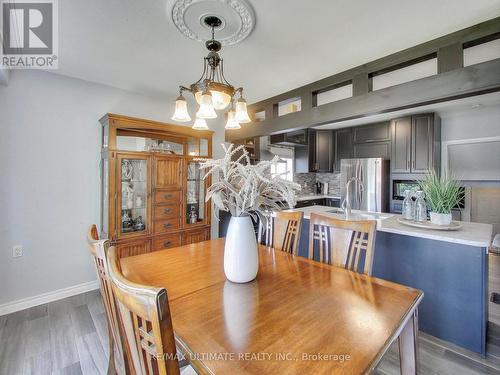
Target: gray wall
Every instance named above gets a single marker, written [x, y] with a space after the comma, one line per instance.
[467, 123]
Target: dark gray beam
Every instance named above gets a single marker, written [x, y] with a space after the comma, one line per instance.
[445, 47]
[469, 81]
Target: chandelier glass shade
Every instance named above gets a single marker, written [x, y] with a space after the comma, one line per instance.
[200, 124]
[212, 91]
[241, 111]
[231, 122]
[181, 113]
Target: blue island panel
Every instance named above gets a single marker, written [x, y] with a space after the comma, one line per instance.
[452, 276]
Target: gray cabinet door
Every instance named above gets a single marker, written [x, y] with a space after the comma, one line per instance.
[401, 145]
[373, 150]
[373, 133]
[422, 141]
[343, 147]
[324, 150]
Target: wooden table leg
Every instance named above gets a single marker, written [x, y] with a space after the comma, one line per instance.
[408, 346]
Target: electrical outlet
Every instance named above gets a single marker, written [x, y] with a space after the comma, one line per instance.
[17, 251]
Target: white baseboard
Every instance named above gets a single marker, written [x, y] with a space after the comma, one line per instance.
[40, 299]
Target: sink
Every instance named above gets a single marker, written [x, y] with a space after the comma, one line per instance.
[336, 211]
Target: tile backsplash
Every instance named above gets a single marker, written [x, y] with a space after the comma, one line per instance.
[333, 180]
[307, 181]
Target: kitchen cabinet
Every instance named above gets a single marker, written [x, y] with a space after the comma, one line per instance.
[332, 202]
[343, 146]
[373, 133]
[372, 150]
[416, 143]
[324, 151]
[297, 137]
[318, 155]
[311, 202]
[251, 145]
[401, 145]
[372, 141]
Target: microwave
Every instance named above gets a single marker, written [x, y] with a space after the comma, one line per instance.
[399, 187]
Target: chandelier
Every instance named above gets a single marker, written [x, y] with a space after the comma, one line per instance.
[212, 91]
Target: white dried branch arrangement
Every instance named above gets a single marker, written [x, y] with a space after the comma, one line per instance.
[244, 189]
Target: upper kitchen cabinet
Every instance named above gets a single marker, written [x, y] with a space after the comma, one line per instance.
[401, 145]
[324, 151]
[372, 133]
[372, 141]
[318, 155]
[343, 146]
[416, 144]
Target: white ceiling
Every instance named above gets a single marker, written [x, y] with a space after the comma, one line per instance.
[133, 45]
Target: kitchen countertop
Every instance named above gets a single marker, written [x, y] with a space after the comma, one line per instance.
[316, 196]
[472, 234]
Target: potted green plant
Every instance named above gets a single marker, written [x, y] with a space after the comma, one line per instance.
[442, 193]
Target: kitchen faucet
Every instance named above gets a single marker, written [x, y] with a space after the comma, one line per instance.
[346, 204]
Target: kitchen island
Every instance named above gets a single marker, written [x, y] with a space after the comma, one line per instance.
[451, 267]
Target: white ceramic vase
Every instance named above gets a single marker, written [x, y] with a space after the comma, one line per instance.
[440, 219]
[241, 259]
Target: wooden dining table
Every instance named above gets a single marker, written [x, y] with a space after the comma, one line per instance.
[297, 317]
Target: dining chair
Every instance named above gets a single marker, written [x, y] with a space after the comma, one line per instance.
[264, 234]
[343, 242]
[99, 249]
[147, 324]
[286, 231]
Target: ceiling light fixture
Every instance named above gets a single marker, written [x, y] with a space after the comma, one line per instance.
[200, 124]
[212, 91]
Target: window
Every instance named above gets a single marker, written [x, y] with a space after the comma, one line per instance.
[284, 168]
[289, 106]
[482, 52]
[332, 95]
[409, 73]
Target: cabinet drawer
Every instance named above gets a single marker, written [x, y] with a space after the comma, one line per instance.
[172, 197]
[166, 225]
[166, 212]
[165, 242]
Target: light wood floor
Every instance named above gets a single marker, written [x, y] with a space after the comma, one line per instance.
[70, 337]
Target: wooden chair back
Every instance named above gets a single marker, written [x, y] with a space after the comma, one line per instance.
[286, 231]
[98, 249]
[342, 242]
[264, 235]
[146, 321]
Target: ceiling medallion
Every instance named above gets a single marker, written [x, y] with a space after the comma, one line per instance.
[237, 16]
[212, 91]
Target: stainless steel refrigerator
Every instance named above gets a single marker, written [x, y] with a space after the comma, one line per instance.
[373, 173]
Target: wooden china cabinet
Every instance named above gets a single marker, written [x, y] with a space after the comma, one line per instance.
[152, 189]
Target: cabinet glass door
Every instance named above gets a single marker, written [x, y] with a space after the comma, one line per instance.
[133, 176]
[195, 199]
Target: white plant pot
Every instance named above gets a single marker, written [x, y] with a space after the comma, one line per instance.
[241, 259]
[440, 219]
